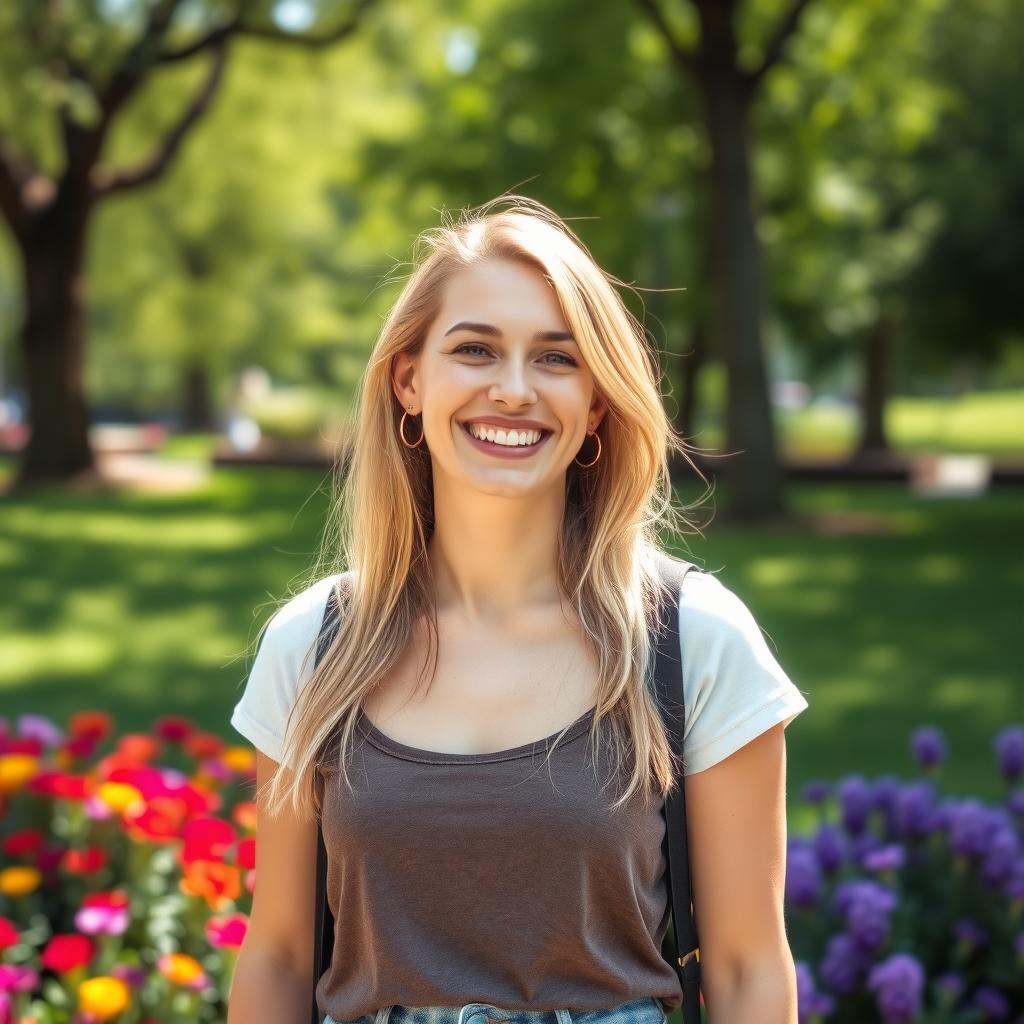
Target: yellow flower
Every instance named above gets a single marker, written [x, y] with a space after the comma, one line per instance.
[19, 880]
[118, 796]
[16, 770]
[104, 997]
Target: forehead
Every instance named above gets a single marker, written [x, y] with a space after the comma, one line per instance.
[512, 296]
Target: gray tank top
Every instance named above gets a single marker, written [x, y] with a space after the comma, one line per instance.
[501, 878]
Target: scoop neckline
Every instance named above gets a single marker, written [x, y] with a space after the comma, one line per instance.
[408, 753]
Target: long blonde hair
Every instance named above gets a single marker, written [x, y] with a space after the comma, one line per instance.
[382, 512]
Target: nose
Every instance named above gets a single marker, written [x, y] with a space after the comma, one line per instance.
[512, 385]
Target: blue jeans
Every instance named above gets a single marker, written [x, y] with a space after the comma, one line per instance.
[646, 1010]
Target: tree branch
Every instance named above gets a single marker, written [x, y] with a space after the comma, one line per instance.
[106, 181]
[773, 52]
[236, 27]
[688, 61]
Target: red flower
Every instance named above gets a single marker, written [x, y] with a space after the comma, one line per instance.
[84, 862]
[61, 785]
[22, 843]
[8, 933]
[246, 855]
[227, 931]
[201, 745]
[66, 952]
[206, 839]
[173, 728]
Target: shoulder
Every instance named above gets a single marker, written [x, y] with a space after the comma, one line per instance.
[709, 609]
[283, 664]
[733, 684]
[297, 621]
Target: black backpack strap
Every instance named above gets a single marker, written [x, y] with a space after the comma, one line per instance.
[668, 676]
[323, 933]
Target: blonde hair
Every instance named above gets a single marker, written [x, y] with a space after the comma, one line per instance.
[381, 519]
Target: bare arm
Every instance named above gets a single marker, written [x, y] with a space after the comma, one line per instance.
[736, 826]
[273, 978]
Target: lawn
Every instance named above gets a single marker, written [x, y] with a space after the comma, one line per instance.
[147, 604]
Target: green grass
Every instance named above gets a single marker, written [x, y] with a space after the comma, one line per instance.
[148, 604]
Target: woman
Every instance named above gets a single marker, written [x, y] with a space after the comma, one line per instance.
[508, 470]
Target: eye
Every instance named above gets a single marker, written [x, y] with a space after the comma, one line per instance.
[466, 346]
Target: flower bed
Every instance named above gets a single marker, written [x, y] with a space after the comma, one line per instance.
[126, 880]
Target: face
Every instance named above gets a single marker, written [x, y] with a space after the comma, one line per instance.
[500, 355]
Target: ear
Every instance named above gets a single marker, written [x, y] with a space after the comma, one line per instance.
[404, 374]
[598, 409]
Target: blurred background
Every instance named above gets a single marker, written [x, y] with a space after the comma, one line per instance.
[208, 206]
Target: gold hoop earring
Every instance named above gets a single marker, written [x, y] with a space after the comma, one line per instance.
[401, 433]
[597, 438]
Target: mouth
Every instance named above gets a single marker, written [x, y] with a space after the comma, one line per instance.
[518, 451]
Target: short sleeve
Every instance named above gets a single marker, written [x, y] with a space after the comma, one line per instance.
[734, 689]
[283, 664]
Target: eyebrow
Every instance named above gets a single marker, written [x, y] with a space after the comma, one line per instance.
[490, 329]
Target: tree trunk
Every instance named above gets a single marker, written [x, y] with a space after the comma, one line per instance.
[875, 387]
[196, 408]
[755, 477]
[53, 349]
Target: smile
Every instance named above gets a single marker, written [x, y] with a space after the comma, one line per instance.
[505, 451]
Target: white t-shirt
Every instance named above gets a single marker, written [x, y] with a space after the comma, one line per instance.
[733, 687]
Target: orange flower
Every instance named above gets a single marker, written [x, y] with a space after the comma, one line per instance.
[138, 747]
[244, 815]
[182, 969]
[92, 725]
[16, 770]
[19, 880]
[214, 881]
[240, 759]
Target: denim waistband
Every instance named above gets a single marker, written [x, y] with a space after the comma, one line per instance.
[646, 1010]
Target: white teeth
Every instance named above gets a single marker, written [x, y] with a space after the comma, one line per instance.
[509, 438]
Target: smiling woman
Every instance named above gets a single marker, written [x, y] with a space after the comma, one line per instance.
[479, 736]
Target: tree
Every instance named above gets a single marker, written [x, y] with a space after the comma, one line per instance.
[727, 90]
[78, 73]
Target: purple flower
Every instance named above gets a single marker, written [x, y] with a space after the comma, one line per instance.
[950, 986]
[829, 847]
[809, 1001]
[1018, 946]
[884, 795]
[132, 974]
[897, 983]
[885, 858]
[865, 907]
[41, 728]
[817, 791]
[928, 746]
[991, 1002]
[803, 878]
[968, 827]
[1009, 748]
[969, 935]
[914, 811]
[843, 965]
[855, 803]
[1014, 888]
[1000, 857]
